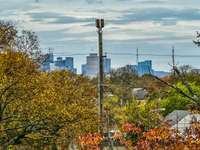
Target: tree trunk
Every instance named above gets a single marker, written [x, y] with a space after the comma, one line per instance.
[54, 147]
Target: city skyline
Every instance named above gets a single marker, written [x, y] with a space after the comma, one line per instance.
[153, 26]
[91, 66]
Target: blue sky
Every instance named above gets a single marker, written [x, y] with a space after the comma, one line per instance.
[153, 26]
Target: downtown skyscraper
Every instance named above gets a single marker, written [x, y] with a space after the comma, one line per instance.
[91, 68]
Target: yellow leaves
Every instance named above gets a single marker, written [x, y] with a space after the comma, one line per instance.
[10, 147]
[195, 141]
[44, 103]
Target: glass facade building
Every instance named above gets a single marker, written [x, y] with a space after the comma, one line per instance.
[91, 68]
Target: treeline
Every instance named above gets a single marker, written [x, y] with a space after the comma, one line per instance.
[37, 109]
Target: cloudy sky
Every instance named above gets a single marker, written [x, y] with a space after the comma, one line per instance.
[153, 26]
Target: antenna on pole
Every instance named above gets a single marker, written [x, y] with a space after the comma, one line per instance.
[137, 56]
[50, 50]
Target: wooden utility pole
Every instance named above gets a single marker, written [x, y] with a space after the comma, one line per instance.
[100, 25]
[137, 56]
[173, 60]
[173, 57]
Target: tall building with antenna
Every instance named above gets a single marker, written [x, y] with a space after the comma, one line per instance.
[47, 60]
[49, 64]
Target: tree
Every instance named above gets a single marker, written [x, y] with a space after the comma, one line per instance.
[123, 75]
[25, 41]
[197, 39]
[159, 138]
[90, 141]
[43, 108]
[188, 91]
[122, 82]
[28, 42]
[166, 138]
[175, 101]
[17, 88]
[142, 114]
[8, 34]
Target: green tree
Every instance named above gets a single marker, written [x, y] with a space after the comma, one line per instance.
[175, 101]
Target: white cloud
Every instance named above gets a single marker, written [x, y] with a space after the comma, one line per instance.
[125, 32]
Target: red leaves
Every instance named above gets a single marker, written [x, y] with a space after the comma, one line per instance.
[162, 133]
[166, 138]
[118, 136]
[143, 144]
[129, 134]
[90, 141]
[130, 128]
[159, 138]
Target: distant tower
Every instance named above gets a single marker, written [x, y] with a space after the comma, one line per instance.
[137, 56]
[173, 57]
[51, 56]
[173, 60]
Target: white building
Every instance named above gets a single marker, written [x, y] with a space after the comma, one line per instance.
[181, 119]
[91, 68]
[139, 93]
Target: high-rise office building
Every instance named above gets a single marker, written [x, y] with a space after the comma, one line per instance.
[59, 64]
[69, 63]
[47, 59]
[144, 67]
[91, 68]
[107, 65]
[65, 64]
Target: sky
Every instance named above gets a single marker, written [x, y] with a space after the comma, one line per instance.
[152, 26]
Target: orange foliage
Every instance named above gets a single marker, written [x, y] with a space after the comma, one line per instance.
[90, 141]
[130, 128]
[168, 139]
[161, 138]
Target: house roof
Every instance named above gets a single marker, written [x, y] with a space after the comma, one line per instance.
[186, 122]
[139, 93]
[176, 116]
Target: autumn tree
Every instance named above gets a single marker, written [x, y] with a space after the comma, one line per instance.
[17, 87]
[122, 82]
[186, 87]
[24, 41]
[39, 109]
[43, 108]
[28, 42]
[8, 33]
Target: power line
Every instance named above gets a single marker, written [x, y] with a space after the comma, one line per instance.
[159, 55]
[128, 54]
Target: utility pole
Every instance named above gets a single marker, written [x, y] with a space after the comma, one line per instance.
[137, 56]
[173, 59]
[100, 25]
